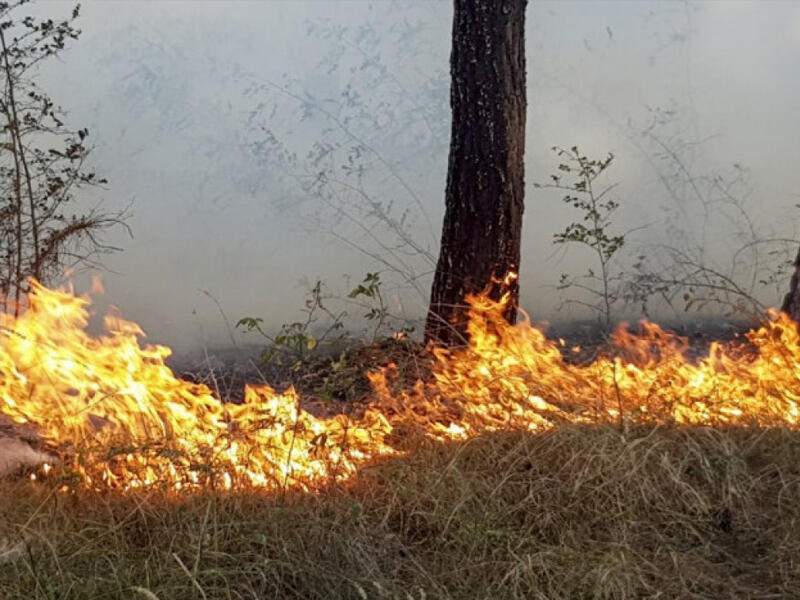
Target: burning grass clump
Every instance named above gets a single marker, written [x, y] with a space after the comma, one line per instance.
[574, 512]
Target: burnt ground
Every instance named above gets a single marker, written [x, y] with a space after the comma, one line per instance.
[330, 380]
[334, 377]
[591, 337]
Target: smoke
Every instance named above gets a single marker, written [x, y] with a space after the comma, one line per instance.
[229, 127]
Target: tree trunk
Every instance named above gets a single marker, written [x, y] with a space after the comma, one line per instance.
[485, 177]
[791, 302]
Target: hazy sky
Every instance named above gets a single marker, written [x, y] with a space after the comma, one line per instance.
[180, 98]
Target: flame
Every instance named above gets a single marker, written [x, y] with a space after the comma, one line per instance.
[120, 418]
[512, 376]
[129, 422]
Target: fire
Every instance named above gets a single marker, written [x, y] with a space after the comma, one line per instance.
[129, 422]
[514, 377]
[120, 418]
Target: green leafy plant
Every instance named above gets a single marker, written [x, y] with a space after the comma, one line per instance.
[295, 341]
[592, 231]
[377, 309]
[326, 360]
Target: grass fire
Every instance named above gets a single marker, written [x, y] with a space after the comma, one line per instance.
[120, 418]
[641, 473]
[415, 431]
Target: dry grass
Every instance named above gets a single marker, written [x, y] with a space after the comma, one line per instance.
[577, 512]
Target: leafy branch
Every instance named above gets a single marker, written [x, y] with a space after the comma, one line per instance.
[592, 231]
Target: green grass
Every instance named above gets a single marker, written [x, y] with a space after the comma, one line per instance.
[578, 512]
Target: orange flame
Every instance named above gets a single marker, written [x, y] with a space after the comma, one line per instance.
[130, 422]
[122, 419]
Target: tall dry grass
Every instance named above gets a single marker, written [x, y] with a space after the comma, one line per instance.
[577, 512]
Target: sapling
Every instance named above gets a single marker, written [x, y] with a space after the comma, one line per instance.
[42, 162]
[592, 230]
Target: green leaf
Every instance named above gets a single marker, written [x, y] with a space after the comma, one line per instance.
[249, 322]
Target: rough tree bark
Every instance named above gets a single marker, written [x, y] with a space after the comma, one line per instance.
[791, 302]
[485, 183]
